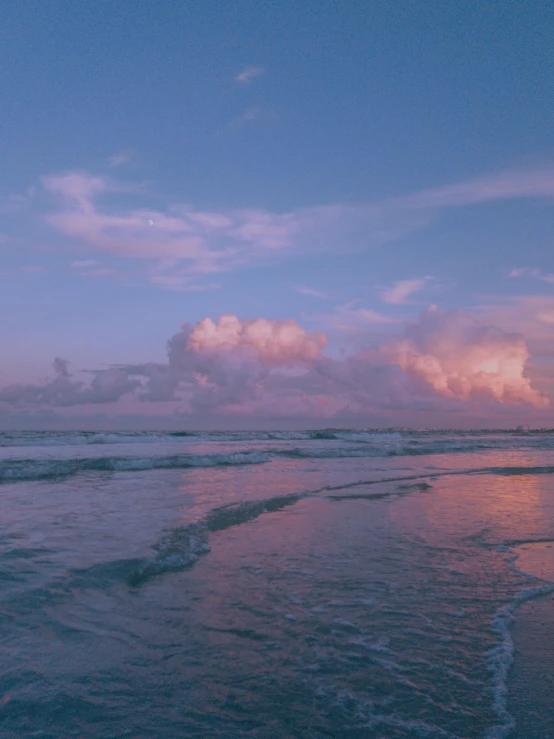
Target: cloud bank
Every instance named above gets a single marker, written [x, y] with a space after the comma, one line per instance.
[106, 386]
[264, 368]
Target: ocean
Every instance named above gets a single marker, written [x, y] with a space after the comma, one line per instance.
[336, 583]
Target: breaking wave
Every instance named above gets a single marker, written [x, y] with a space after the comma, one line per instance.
[480, 438]
[80, 438]
[183, 546]
[16, 470]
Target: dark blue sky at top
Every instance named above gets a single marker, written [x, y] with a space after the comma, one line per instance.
[359, 100]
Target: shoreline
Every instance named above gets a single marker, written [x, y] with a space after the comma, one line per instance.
[531, 678]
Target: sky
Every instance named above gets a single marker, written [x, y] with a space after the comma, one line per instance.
[281, 214]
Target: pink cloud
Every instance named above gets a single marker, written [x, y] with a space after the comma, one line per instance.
[533, 316]
[77, 188]
[107, 386]
[458, 357]
[504, 186]
[533, 272]
[275, 368]
[274, 342]
[401, 290]
[197, 242]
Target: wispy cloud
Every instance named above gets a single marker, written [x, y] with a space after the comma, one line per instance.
[119, 159]
[532, 315]
[351, 318]
[26, 269]
[401, 290]
[248, 75]
[33, 269]
[187, 243]
[84, 263]
[16, 203]
[91, 268]
[312, 293]
[249, 115]
[534, 273]
[504, 186]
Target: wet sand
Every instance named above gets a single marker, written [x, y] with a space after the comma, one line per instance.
[531, 683]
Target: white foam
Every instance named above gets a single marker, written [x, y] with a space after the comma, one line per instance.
[15, 470]
[500, 658]
[368, 713]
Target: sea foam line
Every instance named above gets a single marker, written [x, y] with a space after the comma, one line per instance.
[500, 658]
[16, 470]
[181, 547]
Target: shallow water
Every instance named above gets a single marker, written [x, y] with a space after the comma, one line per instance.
[338, 584]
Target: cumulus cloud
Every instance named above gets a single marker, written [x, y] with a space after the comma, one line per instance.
[533, 316]
[226, 363]
[275, 368]
[273, 342]
[456, 356]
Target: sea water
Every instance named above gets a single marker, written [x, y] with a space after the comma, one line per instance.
[337, 583]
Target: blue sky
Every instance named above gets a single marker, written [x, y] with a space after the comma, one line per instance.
[342, 165]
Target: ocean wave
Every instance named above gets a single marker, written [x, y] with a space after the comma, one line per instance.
[79, 438]
[20, 469]
[16, 470]
[181, 547]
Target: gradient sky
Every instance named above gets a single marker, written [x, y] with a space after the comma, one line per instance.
[341, 165]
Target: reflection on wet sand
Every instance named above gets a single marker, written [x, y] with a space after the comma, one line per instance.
[537, 559]
[487, 507]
